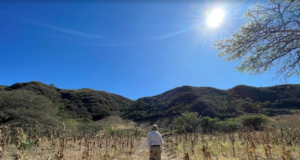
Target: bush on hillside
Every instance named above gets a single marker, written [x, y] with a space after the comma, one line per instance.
[190, 120]
[256, 121]
[209, 124]
[230, 124]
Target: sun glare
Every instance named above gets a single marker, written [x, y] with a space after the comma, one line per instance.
[215, 17]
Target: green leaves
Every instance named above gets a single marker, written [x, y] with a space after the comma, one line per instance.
[255, 121]
[190, 120]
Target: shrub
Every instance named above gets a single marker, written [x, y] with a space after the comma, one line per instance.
[208, 124]
[255, 121]
[190, 120]
[230, 124]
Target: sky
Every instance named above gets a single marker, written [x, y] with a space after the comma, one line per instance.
[134, 49]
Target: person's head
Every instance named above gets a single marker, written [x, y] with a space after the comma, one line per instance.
[155, 127]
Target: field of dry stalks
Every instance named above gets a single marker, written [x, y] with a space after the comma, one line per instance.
[245, 144]
[62, 144]
[273, 142]
[280, 140]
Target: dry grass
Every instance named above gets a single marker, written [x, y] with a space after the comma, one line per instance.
[117, 122]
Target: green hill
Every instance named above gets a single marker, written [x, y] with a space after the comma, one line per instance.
[81, 104]
[208, 101]
[86, 105]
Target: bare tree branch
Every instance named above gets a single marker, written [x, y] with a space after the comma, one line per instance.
[284, 31]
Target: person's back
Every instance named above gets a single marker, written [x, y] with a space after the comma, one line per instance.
[155, 143]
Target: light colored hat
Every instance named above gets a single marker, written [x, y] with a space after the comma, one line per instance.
[155, 127]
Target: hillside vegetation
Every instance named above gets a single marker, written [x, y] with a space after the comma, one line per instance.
[87, 105]
[212, 102]
[80, 105]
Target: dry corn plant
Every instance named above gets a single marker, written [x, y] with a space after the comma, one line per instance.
[4, 139]
[246, 143]
[61, 144]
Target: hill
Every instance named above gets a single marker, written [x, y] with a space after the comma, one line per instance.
[88, 105]
[80, 105]
[208, 101]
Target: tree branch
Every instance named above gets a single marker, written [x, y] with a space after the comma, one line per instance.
[275, 31]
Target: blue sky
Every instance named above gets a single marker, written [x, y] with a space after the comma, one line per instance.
[131, 49]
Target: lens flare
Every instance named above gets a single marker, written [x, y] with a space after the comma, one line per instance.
[215, 17]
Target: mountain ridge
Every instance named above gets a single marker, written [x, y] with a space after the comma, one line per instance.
[213, 102]
[91, 105]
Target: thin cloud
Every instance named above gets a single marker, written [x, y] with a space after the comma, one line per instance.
[63, 30]
[66, 30]
[54, 35]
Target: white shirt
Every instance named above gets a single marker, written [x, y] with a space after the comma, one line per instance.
[154, 138]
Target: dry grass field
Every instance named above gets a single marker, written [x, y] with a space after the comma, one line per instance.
[279, 140]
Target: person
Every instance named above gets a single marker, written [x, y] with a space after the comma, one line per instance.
[155, 143]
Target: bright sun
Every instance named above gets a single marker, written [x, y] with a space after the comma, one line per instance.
[215, 17]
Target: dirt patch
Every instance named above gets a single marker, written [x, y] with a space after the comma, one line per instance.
[116, 122]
